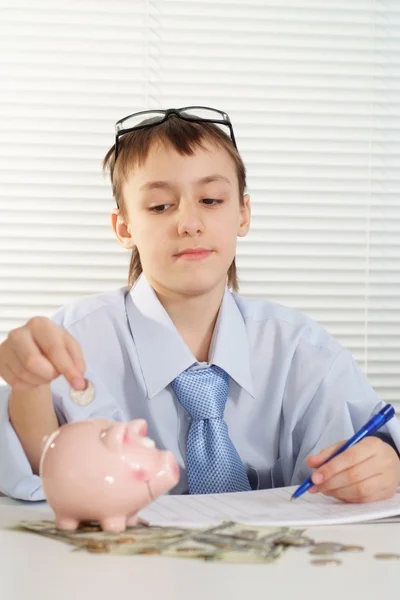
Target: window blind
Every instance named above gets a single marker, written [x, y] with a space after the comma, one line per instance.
[313, 91]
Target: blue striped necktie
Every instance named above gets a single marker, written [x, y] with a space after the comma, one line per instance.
[212, 462]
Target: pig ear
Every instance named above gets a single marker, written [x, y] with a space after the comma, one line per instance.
[141, 474]
[113, 436]
[138, 427]
[43, 443]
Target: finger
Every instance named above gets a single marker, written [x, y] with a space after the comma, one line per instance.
[30, 356]
[351, 476]
[22, 374]
[75, 352]
[51, 341]
[13, 380]
[8, 375]
[347, 459]
[368, 490]
[316, 460]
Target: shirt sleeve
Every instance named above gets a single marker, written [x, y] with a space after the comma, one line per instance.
[16, 476]
[17, 479]
[342, 404]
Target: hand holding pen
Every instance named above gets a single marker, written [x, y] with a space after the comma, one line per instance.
[362, 469]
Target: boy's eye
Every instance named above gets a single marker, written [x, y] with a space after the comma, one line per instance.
[160, 208]
[211, 201]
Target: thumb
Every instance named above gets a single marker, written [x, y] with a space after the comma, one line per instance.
[316, 460]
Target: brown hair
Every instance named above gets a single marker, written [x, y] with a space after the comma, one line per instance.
[183, 136]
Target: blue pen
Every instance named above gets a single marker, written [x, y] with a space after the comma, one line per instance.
[382, 417]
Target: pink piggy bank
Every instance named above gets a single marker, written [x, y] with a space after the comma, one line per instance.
[101, 470]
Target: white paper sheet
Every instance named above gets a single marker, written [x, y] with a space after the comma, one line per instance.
[264, 507]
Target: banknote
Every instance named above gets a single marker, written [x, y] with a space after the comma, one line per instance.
[234, 542]
[90, 536]
[227, 542]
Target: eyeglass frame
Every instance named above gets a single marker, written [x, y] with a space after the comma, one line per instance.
[167, 113]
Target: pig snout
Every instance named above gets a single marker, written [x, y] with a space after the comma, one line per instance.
[157, 468]
[166, 476]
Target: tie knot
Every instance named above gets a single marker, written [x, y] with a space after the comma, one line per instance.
[203, 392]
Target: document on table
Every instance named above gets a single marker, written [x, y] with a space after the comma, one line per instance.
[264, 507]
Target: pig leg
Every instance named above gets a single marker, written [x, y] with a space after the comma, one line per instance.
[113, 524]
[132, 520]
[66, 523]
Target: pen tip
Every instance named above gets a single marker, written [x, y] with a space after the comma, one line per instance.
[292, 498]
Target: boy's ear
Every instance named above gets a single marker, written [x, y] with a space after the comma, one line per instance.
[121, 229]
[245, 213]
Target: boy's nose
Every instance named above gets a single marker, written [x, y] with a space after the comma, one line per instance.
[189, 221]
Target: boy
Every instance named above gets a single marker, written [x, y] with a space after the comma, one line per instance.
[242, 392]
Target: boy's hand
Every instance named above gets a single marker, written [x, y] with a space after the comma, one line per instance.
[366, 472]
[37, 353]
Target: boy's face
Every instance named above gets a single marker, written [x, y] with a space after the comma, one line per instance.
[184, 216]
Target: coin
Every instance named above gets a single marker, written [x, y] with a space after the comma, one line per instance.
[387, 555]
[352, 548]
[326, 562]
[89, 526]
[97, 546]
[326, 548]
[83, 397]
[150, 551]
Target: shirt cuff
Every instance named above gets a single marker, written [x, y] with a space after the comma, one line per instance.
[388, 440]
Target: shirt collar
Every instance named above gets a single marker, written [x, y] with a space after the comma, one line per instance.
[162, 352]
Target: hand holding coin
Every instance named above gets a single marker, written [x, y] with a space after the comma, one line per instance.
[38, 352]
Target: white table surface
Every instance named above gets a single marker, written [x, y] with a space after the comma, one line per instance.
[33, 567]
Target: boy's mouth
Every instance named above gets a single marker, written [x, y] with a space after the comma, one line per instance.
[194, 253]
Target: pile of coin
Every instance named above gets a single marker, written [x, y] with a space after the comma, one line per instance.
[327, 549]
[324, 551]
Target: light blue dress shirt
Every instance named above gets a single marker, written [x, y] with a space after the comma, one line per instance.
[293, 389]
